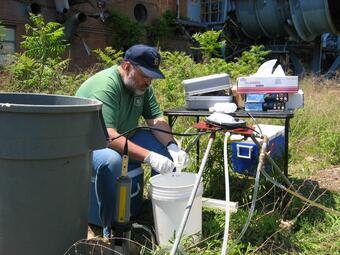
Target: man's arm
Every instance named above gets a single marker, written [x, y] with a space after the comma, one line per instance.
[135, 151]
[160, 123]
[158, 162]
[179, 157]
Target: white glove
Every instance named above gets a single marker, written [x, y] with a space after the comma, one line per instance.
[159, 163]
[180, 157]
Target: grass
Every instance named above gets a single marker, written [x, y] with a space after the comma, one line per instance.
[315, 129]
[281, 224]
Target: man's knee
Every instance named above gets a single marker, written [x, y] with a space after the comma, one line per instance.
[106, 160]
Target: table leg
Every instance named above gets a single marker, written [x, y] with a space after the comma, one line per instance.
[198, 147]
[285, 168]
[172, 120]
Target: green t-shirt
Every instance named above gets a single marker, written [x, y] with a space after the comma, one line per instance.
[121, 108]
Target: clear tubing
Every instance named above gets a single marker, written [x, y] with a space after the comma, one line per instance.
[294, 193]
[192, 196]
[313, 203]
[272, 162]
[256, 188]
[137, 225]
[227, 195]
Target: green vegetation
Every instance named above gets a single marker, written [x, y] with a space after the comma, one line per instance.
[40, 63]
[108, 57]
[161, 27]
[125, 31]
[40, 66]
[281, 224]
[210, 43]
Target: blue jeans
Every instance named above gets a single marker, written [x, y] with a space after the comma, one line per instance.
[107, 167]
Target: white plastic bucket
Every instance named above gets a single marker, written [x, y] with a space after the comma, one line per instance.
[170, 194]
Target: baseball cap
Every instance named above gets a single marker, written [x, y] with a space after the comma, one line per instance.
[147, 58]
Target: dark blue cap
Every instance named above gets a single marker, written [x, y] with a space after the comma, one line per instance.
[147, 58]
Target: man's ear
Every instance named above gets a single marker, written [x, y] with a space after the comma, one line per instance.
[127, 66]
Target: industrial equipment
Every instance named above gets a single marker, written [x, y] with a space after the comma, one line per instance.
[269, 89]
[298, 29]
[33, 8]
[72, 23]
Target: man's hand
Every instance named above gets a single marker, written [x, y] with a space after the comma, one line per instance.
[180, 157]
[159, 163]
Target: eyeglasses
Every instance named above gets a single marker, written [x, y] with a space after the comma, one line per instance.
[141, 72]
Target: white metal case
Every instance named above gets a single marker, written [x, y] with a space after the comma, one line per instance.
[204, 92]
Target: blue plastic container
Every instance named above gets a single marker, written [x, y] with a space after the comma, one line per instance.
[245, 154]
[137, 176]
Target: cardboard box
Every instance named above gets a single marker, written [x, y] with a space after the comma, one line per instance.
[239, 98]
[270, 84]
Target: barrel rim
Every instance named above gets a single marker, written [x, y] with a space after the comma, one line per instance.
[89, 104]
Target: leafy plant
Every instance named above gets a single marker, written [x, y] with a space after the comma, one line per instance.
[108, 57]
[40, 66]
[125, 31]
[43, 40]
[161, 26]
[210, 43]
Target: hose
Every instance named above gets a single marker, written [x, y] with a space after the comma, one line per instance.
[192, 196]
[292, 192]
[137, 225]
[311, 202]
[227, 195]
[275, 166]
[256, 188]
[192, 143]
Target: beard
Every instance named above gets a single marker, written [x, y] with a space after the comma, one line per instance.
[130, 83]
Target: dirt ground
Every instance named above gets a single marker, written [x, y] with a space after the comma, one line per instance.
[328, 178]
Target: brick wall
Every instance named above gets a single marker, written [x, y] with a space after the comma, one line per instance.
[93, 31]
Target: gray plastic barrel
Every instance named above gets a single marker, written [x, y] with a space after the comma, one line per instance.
[45, 159]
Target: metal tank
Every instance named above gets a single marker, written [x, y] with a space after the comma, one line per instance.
[298, 19]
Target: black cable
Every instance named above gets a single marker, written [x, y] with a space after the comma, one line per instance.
[251, 116]
[178, 134]
[153, 128]
[126, 148]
